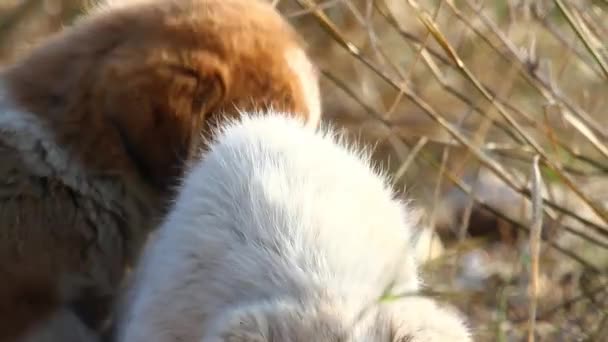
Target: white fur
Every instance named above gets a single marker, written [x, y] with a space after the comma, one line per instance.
[306, 73]
[282, 234]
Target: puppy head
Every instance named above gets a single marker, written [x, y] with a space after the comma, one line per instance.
[130, 87]
[412, 319]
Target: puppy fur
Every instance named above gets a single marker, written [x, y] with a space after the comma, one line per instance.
[97, 124]
[62, 326]
[282, 234]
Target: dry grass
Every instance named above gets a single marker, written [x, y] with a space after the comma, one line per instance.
[494, 115]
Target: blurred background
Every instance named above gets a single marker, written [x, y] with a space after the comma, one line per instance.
[490, 115]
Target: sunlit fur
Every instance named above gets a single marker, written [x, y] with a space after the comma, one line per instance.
[282, 234]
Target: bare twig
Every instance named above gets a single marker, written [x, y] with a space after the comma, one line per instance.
[459, 183]
[535, 239]
[583, 37]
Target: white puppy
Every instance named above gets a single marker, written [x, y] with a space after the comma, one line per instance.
[282, 234]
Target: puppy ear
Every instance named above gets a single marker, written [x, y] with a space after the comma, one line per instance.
[159, 110]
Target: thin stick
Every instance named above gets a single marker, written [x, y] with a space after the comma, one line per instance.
[535, 241]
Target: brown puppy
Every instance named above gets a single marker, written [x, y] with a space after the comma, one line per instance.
[97, 124]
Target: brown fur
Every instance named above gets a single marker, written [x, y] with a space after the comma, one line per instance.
[130, 77]
[125, 93]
